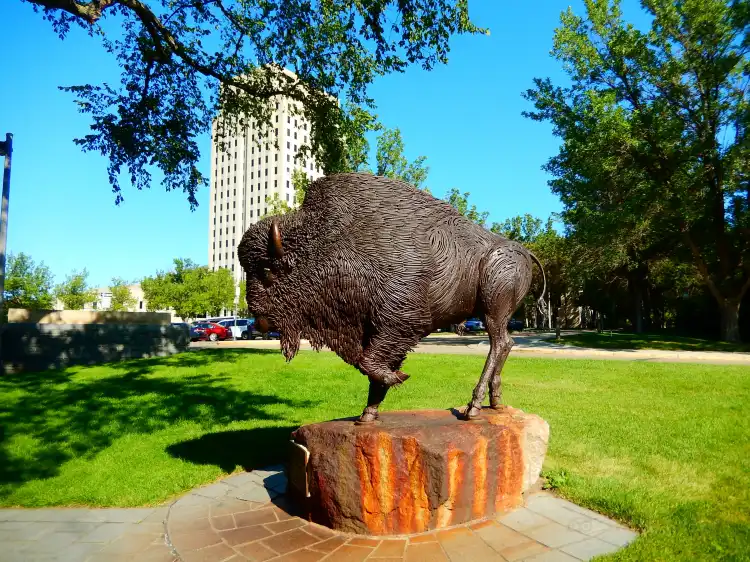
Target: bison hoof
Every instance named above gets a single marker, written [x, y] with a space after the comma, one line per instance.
[472, 412]
[366, 418]
[468, 412]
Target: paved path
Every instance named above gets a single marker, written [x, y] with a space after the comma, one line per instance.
[246, 517]
[537, 345]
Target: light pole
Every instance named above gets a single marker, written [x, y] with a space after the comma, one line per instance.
[6, 149]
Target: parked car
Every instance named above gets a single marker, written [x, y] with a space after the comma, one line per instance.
[474, 325]
[515, 324]
[208, 331]
[254, 333]
[238, 329]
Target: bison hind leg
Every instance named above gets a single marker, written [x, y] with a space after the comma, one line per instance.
[504, 282]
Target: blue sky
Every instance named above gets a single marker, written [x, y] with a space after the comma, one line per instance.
[465, 117]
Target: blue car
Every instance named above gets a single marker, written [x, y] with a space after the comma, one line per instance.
[474, 325]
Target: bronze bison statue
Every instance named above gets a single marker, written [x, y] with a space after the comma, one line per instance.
[368, 265]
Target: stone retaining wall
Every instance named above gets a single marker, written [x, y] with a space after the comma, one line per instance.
[28, 347]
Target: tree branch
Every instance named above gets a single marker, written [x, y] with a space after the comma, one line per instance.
[165, 42]
[90, 12]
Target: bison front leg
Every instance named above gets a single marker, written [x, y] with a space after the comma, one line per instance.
[382, 377]
[375, 396]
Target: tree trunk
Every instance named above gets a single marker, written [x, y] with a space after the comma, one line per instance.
[730, 320]
[637, 302]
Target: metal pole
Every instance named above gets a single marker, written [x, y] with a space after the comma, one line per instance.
[6, 148]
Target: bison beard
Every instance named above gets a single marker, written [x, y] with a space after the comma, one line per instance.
[369, 265]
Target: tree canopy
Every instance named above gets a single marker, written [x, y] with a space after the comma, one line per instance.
[122, 298]
[655, 148]
[391, 161]
[75, 292]
[190, 290]
[28, 285]
[184, 62]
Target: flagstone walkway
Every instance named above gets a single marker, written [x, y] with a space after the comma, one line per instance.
[245, 517]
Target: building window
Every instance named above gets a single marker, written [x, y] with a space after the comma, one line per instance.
[287, 158]
[251, 213]
[288, 119]
[219, 243]
[235, 192]
[275, 170]
[295, 122]
[276, 183]
[258, 198]
[287, 197]
[288, 133]
[276, 157]
[140, 305]
[266, 158]
[287, 144]
[295, 135]
[287, 183]
[232, 230]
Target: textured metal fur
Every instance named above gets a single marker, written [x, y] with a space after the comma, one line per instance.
[369, 265]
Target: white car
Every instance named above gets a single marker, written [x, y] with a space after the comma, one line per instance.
[237, 330]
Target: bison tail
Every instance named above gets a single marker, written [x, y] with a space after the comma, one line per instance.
[540, 301]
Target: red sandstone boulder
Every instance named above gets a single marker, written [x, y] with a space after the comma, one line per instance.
[414, 471]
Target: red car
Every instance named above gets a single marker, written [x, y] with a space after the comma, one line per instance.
[208, 331]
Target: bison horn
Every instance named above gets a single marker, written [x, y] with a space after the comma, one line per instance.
[274, 241]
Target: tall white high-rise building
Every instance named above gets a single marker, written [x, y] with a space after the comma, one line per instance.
[246, 176]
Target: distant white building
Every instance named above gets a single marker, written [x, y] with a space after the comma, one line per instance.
[104, 302]
[247, 175]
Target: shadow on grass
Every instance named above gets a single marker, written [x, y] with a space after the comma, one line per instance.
[48, 418]
[248, 448]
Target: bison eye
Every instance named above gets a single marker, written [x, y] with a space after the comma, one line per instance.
[267, 276]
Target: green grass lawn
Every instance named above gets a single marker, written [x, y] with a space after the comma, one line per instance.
[662, 447]
[624, 340]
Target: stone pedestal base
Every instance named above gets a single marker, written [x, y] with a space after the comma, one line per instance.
[415, 471]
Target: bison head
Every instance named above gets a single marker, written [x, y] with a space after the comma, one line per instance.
[261, 253]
